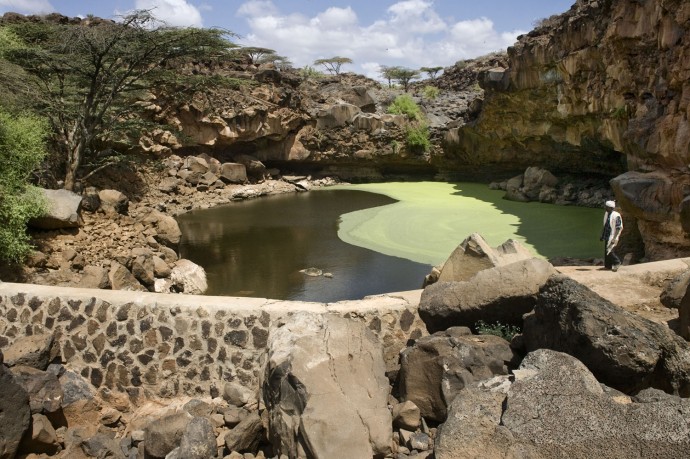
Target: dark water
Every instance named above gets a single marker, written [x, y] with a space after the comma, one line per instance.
[257, 248]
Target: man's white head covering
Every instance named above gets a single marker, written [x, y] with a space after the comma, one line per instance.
[610, 204]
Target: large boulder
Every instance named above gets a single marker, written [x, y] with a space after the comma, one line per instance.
[245, 436]
[673, 293]
[94, 277]
[63, 211]
[43, 387]
[168, 231]
[326, 389]
[252, 165]
[113, 202]
[336, 116]
[501, 294]
[122, 279]
[437, 367]
[15, 414]
[188, 277]
[623, 350]
[34, 351]
[474, 254]
[165, 434]
[198, 440]
[233, 172]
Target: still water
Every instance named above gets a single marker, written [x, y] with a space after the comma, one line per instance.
[372, 238]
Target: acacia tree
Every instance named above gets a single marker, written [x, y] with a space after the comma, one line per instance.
[86, 77]
[431, 71]
[389, 72]
[404, 76]
[333, 64]
[256, 54]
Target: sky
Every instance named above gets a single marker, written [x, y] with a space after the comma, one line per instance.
[408, 33]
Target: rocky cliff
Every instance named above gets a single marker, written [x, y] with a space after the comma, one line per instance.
[602, 89]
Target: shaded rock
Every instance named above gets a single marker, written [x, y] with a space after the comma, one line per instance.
[437, 367]
[623, 350]
[15, 414]
[501, 294]
[198, 440]
[336, 115]
[535, 180]
[238, 395]
[167, 230]
[143, 269]
[253, 166]
[94, 277]
[74, 388]
[684, 315]
[103, 445]
[245, 436]
[63, 208]
[169, 185]
[31, 351]
[43, 387]
[406, 415]
[121, 279]
[113, 202]
[673, 293]
[233, 173]
[90, 201]
[319, 365]
[43, 439]
[188, 277]
[160, 267]
[163, 435]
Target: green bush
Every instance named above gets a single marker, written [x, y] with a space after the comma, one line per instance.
[22, 149]
[417, 137]
[505, 331]
[405, 105]
[430, 92]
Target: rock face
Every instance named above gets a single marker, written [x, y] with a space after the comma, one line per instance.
[621, 349]
[62, 211]
[14, 413]
[598, 90]
[502, 294]
[437, 367]
[319, 365]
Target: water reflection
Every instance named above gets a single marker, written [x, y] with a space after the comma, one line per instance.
[257, 248]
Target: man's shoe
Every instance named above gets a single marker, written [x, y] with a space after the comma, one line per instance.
[615, 268]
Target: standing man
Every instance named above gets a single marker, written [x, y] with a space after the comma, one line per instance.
[613, 226]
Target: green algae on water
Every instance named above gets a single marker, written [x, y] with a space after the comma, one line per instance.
[430, 219]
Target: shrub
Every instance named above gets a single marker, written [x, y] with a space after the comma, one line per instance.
[405, 105]
[417, 137]
[430, 92]
[505, 331]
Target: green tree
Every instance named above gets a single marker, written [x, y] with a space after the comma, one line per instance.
[22, 148]
[389, 72]
[431, 71]
[333, 64]
[85, 78]
[404, 76]
[256, 54]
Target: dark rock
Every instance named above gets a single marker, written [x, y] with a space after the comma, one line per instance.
[90, 201]
[163, 435]
[94, 277]
[103, 445]
[43, 439]
[32, 351]
[245, 436]
[673, 293]
[15, 413]
[113, 202]
[198, 440]
[121, 279]
[45, 392]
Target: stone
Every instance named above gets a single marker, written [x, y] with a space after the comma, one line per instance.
[143, 269]
[188, 277]
[406, 415]
[198, 408]
[535, 179]
[336, 115]
[233, 173]
[103, 445]
[501, 294]
[245, 436]
[167, 230]
[437, 367]
[43, 438]
[196, 164]
[63, 211]
[94, 277]
[253, 166]
[169, 185]
[74, 388]
[318, 365]
[122, 279]
[113, 202]
[44, 389]
[673, 293]
[31, 351]
[90, 201]
[164, 434]
[684, 315]
[161, 267]
[15, 413]
[474, 254]
[198, 440]
[238, 395]
[622, 350]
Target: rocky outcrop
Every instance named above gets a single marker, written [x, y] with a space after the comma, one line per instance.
[319, 365]
[62, 211]
[621, 349]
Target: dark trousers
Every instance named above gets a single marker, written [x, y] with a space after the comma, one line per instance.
[610, 259]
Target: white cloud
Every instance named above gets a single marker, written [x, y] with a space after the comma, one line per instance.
[27, 6]
[172, 12]
[411, 34]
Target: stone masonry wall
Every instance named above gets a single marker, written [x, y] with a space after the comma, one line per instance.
[164, 345]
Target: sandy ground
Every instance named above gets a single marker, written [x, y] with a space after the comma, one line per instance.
[635, 288]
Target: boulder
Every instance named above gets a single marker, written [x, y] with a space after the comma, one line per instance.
[406, 415]
[160, 267]
[233, 173]
[253, 166]
[43, 387]
[164, 434]
[90, 201]
[535, 179]
[103, 445]
[198, 440]
[623, 350]
[94, 277]
[169, 185]
[674, 291]
[501, 294]
[15, 414]
[238, 395]
[143, 269]
[196, 164]
[62, 211]
[167, 230]
[32, 351]
[436, 368]
[121, 279]
[43, 439]
[188, 277]
[337, 115]
[514, 189]
[113, 202]
[474, 254]
[245, 436]
[684, 315]
[319, 365]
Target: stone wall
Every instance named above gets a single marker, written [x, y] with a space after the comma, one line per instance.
[164, 345]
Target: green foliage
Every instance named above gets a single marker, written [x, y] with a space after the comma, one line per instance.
[22, 149]
[405, 105]
[417, 137]
[431, 71]
[430, 92]
[333, 64]
[620, 113]
[310, 73]
[505, 331]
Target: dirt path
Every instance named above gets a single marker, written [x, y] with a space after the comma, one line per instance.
[635, 288]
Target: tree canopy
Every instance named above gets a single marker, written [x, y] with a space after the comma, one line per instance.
[85, 78]
[431, 71]
[333, 64]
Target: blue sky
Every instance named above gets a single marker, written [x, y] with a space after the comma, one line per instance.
[411, 33]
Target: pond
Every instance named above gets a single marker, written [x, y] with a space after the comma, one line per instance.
[370, 239]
